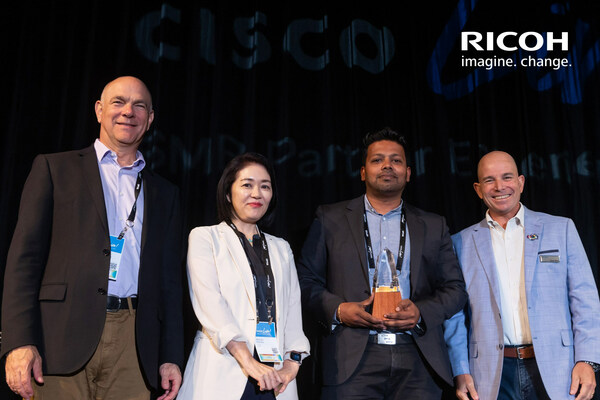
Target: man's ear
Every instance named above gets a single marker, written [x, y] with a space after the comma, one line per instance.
[98, 109]
[478, 189]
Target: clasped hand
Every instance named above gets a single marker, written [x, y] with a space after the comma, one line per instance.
[268, 378]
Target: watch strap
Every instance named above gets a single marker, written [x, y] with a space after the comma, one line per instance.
[595, 366]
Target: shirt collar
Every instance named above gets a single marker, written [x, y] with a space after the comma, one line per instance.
[518, 219]
[103, 153]
[370, 208]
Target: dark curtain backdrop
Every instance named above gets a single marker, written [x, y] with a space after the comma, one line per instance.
[302, 82]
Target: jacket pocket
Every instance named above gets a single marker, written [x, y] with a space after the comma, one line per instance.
[474, 350]
[567, 337]
[53, 292]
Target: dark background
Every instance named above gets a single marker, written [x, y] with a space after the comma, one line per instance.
[302, 83]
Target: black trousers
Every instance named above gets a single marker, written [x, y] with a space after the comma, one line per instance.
[389, 372]
[252, 392]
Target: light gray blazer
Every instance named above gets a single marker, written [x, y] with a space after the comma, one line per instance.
[562, 305]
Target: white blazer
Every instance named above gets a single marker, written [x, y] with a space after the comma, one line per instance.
[222, 293]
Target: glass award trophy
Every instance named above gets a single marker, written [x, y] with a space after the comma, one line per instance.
[385, 285]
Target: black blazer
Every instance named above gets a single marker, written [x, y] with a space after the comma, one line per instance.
[333, 269]
[56, 277]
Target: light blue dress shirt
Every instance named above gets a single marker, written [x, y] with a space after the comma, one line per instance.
[385, 233]
[118, 186]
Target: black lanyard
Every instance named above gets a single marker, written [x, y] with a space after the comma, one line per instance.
[262, 274]
[401, 245]
[131, 218]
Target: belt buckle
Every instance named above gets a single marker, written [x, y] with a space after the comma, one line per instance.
[386, 338]
[118, 300]
[519, 356]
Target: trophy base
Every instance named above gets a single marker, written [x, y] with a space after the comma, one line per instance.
[385, 303]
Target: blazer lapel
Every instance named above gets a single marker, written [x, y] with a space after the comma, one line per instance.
[485, 253]
[416, 230]
[533, 229]
[240, 260]
[276, 265]
[355, 210]
[150, 198]
[91, 174]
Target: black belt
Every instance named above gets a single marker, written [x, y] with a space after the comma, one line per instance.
[114, 303]
[400, 338]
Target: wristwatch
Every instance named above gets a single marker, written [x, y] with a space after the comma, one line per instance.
[294, 356]
[595, 366]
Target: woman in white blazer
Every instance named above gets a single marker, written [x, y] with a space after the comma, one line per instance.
[231, 267]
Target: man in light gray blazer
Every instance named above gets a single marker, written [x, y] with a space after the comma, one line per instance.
[531, 328]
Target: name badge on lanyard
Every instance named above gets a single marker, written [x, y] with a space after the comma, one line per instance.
[117, 242]
[116, 251]
[266, 342]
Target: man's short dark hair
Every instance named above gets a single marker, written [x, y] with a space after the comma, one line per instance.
[383, 134]
[224, 207]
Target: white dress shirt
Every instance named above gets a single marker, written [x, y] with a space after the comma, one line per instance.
[509, 256]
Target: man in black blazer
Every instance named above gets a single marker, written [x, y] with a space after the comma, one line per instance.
[61, 319]
[403, 354]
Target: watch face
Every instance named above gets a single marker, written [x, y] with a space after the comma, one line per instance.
[296, 357]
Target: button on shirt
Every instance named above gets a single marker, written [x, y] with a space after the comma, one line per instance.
[508, 245]
[385, 233]
[118, 186]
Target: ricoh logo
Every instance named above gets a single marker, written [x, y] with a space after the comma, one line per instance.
[511, 42]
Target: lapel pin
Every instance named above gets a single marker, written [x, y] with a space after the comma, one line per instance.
[533, 236]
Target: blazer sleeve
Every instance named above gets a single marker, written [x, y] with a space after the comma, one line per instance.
[455, 336]
[312, 271]
[209, 304]
[455, 331]
[449, 295]
[583, 299]
[27, 256]
[295, 340]
[171, 338]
